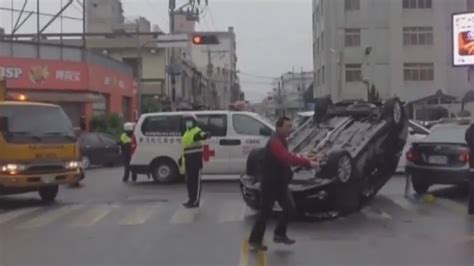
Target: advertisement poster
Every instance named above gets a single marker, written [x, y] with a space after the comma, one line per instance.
[463, 39]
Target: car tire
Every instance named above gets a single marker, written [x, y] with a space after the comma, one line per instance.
[165, 172]
[85, 162]
[48, 194]
[393, 111]
[348, 198]
[420, 187]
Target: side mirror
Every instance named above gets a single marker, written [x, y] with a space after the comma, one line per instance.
[3, 124]
[265, 131]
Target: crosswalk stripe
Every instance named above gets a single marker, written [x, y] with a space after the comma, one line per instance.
[8, 216]
[185, 216]
[140, 215]
[231, 212]
[92, 216]
[49, 216]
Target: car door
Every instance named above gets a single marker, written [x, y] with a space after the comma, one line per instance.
[110, 149]
[91, 146]
[250, 133]
[215, 151]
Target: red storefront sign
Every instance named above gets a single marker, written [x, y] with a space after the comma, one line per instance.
[24, 73]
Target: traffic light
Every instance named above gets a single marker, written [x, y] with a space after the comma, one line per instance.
[205, 39]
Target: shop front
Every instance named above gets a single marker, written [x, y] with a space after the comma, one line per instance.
[83, 90]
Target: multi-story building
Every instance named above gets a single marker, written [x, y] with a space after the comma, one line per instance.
[400, 47]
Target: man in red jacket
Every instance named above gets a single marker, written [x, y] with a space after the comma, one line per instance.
[277, 174]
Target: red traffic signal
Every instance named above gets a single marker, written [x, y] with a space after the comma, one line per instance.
[205, 39]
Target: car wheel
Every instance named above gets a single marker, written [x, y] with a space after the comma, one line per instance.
[393, 111]
[420, 187]
[165, 172]
[48, 194]
[85, 162]
[341, 166]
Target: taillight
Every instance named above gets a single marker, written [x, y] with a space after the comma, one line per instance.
[134, 144]
[412, 155]
[464, 157]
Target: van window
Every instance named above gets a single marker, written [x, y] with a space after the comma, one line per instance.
[246, 125]
[162, 125]
[214, 124]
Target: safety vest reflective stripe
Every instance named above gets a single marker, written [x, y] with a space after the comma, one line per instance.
[125, 139]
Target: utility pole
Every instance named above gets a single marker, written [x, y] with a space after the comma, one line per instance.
[172, 7]
[209, 73]
[139, 69]
[302, 90]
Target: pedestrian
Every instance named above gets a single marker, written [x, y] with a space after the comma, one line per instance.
[192, 143]
[470, 142]
[126, 147]
[276, 176]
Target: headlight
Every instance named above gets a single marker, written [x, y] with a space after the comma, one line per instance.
[13, 168]
[72, 165]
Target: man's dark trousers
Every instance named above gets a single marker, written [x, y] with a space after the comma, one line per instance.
[270, 193]
[193, 165]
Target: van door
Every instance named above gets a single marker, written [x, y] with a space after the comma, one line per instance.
[215, 155]
[249, 133]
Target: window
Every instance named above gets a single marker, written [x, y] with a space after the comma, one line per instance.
[322, 41]
[246, 125]
[414, 4]
[162, 125]
[323, 74]
[352, 37]
[417, 36]
[353, 72]
[89, 139]
[107, 140]
[418, 71]
[350, 5]
[134, 63]
[216, 125]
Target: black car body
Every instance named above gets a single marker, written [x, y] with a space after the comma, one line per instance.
[440, 158]
[359, 144]
[99, 149]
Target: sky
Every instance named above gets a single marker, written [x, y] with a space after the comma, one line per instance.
[273, 36]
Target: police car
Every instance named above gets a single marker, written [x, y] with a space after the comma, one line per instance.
[156, 143]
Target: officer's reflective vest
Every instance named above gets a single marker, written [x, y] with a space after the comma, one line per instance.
[125, 139]
[189, 145]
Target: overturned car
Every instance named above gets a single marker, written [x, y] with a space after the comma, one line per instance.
[359, 145]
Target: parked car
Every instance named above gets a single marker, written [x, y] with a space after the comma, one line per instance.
[99, 149]
[359, 145]
[416, 132]
[440, 158]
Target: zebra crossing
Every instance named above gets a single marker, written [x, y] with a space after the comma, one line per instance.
[211, 212]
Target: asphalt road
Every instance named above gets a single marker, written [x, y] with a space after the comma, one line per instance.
[106, 222]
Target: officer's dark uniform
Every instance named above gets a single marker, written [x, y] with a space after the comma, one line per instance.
[470, 142]
[277, 174]
[126, 147]
[192, 143]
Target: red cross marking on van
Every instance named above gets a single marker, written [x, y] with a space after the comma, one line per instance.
[207, 153]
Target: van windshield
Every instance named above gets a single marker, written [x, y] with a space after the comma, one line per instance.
[37, 121]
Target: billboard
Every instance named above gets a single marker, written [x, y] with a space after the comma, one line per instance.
[463, 39]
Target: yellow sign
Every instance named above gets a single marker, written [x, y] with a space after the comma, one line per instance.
[3, 90]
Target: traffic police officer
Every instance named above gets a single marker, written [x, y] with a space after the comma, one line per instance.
[192, 143]
[470, 142]
[126, 146]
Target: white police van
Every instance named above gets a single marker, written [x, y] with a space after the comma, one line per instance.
[156, 143]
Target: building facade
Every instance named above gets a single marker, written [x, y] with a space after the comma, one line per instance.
[397, 47]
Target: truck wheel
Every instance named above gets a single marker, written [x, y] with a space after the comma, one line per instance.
[393, 111]
[341, 166]
[164, 172]
[48, 194]
[420, 186]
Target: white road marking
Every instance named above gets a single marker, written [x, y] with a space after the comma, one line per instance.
[231, 212]
[185, 216]
[92, 216]
[11, 215]
[140, 215]
[49, 216]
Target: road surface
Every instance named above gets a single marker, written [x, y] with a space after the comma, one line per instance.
[106, 222]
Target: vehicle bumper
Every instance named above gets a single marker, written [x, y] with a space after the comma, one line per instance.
[33, 181]
[442, 176]
[317, 198]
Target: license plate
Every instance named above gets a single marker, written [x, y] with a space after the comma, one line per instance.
[438, 160]
[48, 179]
